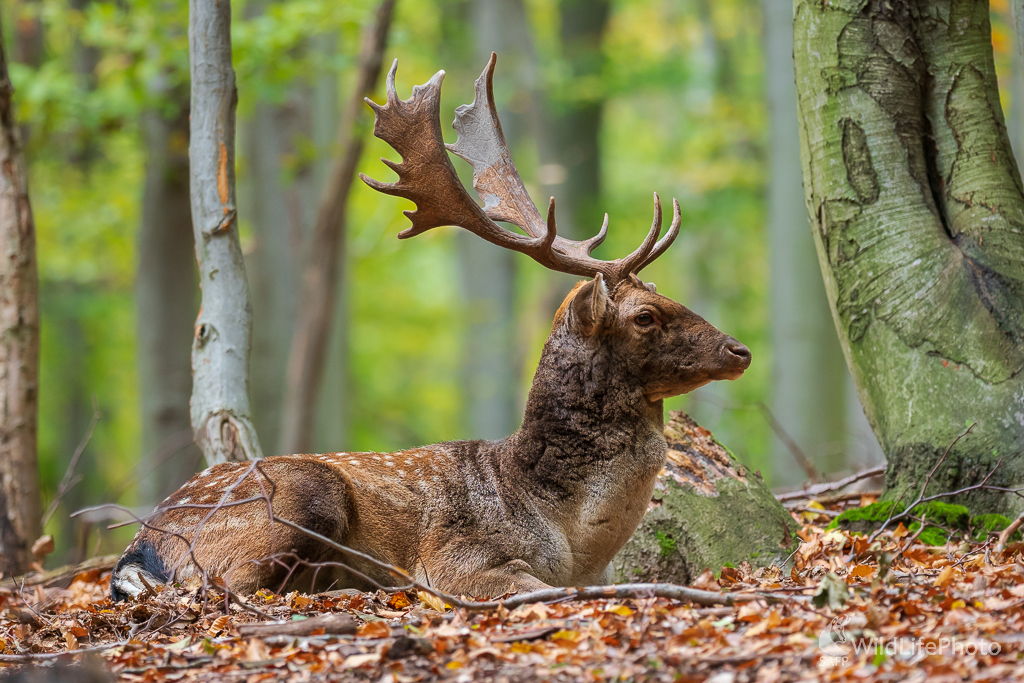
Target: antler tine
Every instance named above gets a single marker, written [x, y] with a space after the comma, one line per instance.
[665, 242]
[594, 242]
[630, 263]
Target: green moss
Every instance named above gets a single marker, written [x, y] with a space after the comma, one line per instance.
[666, 543]
[946, 514]
[983, 525]
[932, 535]
[867, 517]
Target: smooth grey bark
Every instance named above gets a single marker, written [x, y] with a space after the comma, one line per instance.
[917, 211]
[19, 345]
[808, 394]
[324, 269]
[489, 369]
[222, 339]
[166, 302]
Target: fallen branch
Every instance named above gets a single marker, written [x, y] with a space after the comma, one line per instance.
[41, 656]
[335, 623]
[1005, 534]
[817, 489]
[103, 563]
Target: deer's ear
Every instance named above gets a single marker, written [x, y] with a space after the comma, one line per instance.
[590, 307]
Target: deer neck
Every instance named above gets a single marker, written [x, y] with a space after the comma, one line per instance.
[586, 420]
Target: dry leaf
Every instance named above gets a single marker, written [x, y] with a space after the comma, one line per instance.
[374, 629]
[944, 577]
[256, 651]
[431, 600]
[355, 661]
[71, 640]
[398, 601]
[621, 610]
[706, 581]
[219, 624]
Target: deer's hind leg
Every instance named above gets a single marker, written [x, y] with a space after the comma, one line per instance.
[315, 497]
[239, 542]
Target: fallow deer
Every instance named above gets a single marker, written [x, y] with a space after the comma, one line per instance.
[549, 505]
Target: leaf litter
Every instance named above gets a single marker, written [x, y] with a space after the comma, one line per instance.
[843, 610]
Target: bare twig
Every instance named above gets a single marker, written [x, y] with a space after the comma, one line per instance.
[66, 483]
[805, 464]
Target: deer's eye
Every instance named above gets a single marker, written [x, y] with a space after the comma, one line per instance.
[644, 319]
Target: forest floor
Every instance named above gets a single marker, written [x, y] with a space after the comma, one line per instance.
[937, 614]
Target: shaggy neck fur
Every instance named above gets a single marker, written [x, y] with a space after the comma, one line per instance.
[584, 411]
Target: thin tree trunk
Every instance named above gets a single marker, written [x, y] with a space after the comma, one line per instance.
[808, 394]
[489, 369]
[222, 339]
[573, 170]
[276, 201]
[917, 210]
[308, 353]
[19, 346]
[166, 299]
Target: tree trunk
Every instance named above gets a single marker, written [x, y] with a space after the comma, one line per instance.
[166, 302]
[19, 346]
[277, 203]
[808, 373]
[572, 164]
[222, 339]
[707, 510]
[917, 213]
[308, 354]
[490, 373]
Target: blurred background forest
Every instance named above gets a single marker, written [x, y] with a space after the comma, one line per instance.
[603, 102]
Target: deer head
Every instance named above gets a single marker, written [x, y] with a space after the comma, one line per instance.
[659, 347]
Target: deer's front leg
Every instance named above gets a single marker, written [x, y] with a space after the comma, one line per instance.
[512, 577]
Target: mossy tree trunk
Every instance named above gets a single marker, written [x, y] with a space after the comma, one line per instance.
[917, 210]
[707, 511]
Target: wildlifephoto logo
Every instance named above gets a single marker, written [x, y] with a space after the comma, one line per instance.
[833, 641]
[838, 646]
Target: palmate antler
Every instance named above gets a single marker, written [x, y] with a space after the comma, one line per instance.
[426, 176]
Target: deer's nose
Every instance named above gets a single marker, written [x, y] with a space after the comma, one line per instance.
[738, 351]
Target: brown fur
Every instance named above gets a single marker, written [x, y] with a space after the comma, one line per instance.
[550, 505]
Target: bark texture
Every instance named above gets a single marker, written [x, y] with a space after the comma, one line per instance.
[707, 510]
[222, 340]
[917, 212]
[167, 299]
[308, 355]
[808, 372]
[19, 346]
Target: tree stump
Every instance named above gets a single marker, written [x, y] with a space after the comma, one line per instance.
[707, 510]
